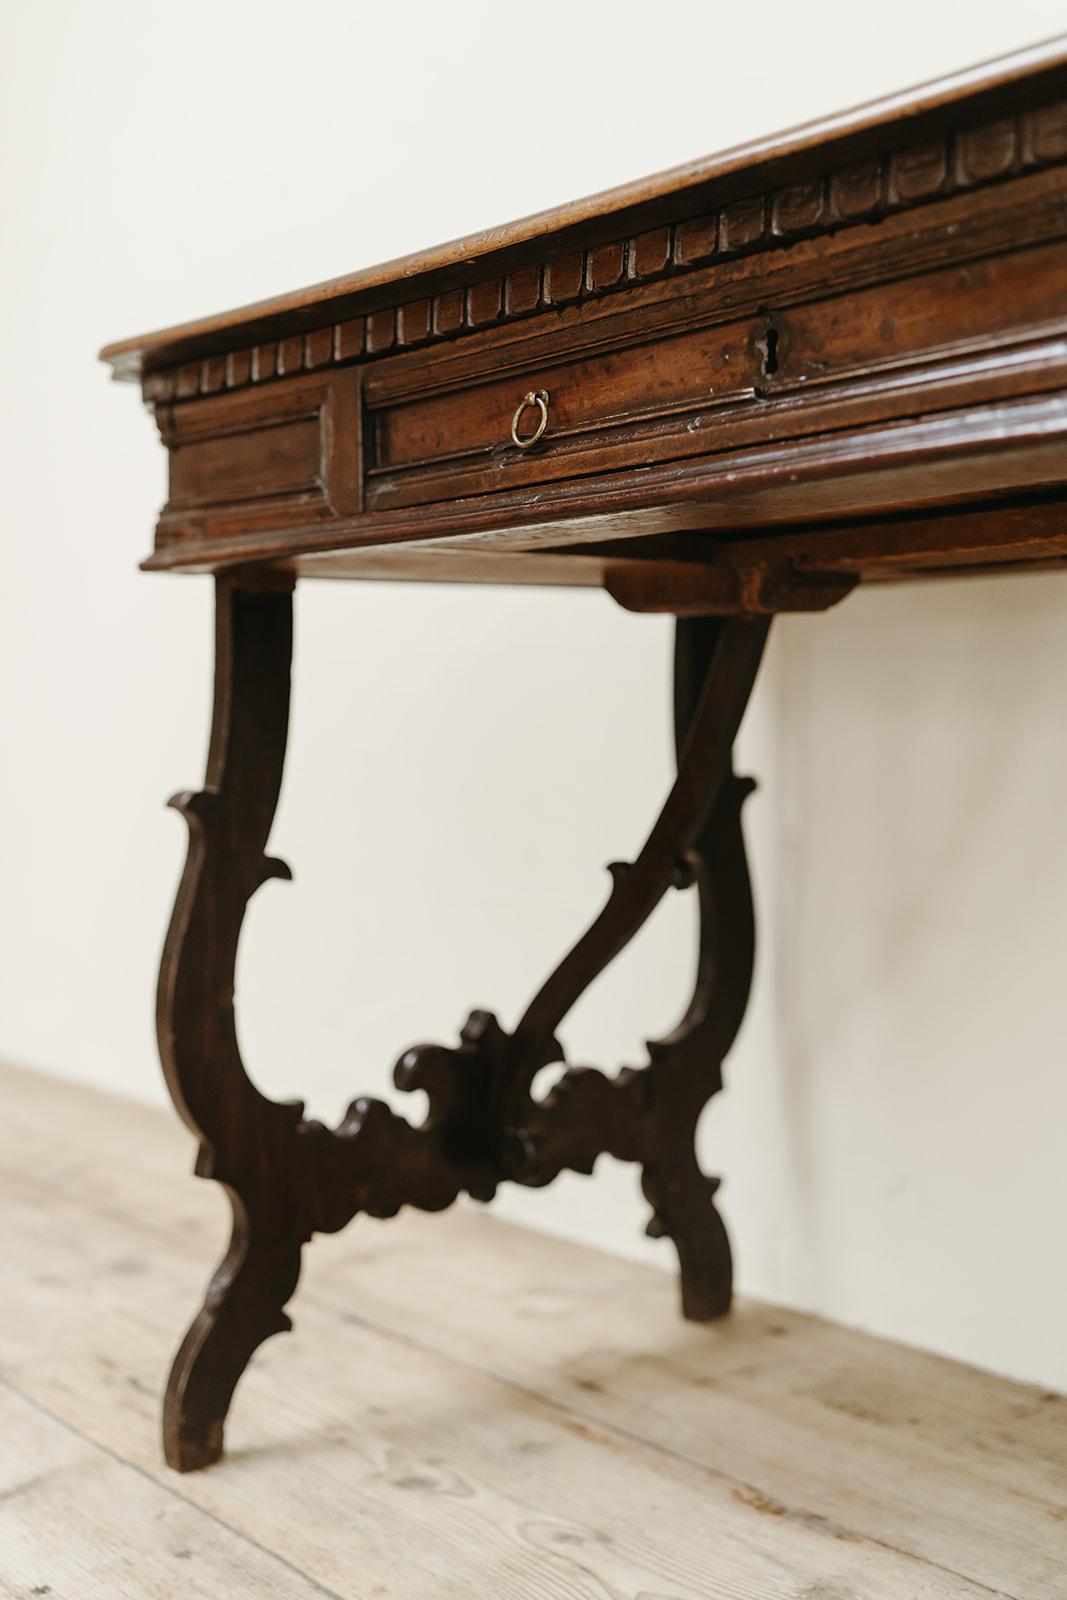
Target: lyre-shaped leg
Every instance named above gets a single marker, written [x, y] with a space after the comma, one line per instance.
[687, 1064]
[650, 1116]
[287, 1178]
[248, 1143]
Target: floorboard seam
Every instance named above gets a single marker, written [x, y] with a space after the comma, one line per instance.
[813, 1521]
[329, 1306]
[171, 1490]
[159, 1230]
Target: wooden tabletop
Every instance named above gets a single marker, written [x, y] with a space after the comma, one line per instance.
[831, 356]
[776, 160]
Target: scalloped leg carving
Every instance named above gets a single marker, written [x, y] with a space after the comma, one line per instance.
[650, 1115]
[286, 1177]
[243, 1306]
[687, 1065]
[684, 1210]
[250, 1144]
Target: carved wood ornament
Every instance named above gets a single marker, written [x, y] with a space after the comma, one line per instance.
[841, 197]
[288, 1177]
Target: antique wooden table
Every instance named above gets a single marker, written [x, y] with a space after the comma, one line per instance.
[740, 388]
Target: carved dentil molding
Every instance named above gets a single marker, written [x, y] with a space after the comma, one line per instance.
[844, 196]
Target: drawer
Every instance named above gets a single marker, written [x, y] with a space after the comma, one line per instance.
[433, 435]
[283, 455]
[440, 427]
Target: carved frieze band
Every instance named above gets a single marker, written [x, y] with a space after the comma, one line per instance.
[967, 160]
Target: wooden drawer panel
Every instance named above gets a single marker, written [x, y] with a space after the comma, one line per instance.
[269, 460]
[281, 455]
[649, 379]
[782, 371]
[978, 303]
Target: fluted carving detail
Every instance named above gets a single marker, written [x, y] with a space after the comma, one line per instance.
[841, 197]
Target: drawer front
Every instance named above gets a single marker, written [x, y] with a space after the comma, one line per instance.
[441, 440]
[434, 433]
[270, 460]
[583, 394]
[280, 456]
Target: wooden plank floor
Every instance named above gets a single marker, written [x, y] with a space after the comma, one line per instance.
[471, 1410]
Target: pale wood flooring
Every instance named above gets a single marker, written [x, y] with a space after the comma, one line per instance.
[470, 1410]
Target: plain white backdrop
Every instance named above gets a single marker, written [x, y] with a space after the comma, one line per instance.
[463, 763]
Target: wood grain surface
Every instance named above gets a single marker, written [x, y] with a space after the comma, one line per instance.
[862, 320]
[780, 159]
[475, 1411]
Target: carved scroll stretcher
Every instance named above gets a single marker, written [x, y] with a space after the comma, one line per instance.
[288, 1177]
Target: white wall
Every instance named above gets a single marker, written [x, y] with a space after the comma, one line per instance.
[463, 763]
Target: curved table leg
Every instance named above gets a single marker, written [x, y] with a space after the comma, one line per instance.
[287, 1177]
[243, 1306]
[688, 1063]
[248, 1143]
[650, 1115]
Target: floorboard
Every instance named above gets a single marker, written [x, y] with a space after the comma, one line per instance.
[471, 1409]
[77, 1520]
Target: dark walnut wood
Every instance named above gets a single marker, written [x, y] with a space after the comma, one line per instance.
[288, 1177]
[736, 390]
[855, 323]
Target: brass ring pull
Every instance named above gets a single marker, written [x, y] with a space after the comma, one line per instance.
[538, 398]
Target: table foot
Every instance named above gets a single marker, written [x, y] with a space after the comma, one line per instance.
[243, 1306]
